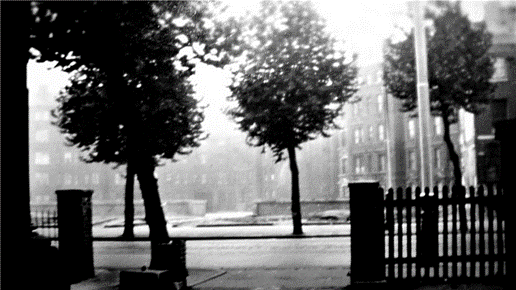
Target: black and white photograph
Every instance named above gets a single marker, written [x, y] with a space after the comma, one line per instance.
[261, 144]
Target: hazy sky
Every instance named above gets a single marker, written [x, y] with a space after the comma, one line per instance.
[361, 24]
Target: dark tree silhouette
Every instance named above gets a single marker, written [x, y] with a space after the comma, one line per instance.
[459, 69]
[291, 84]
[459, 72]
[129, 101]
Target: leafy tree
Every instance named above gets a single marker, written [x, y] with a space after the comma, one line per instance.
[129, 101]
[291, 83]
[459, 69]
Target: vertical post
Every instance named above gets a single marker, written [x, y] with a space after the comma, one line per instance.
[423, 98]
[388, 138]
[367, 233]
[75, 233]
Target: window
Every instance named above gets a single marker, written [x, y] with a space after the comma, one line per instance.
[345, 192]
[42, 116]
[355, 109]
[178, 177]
[438, 126]
[369, 79]
[42, 158]
[41, 136]
[86, 178]
[343, 137]
[370, 163]
[186, 179]
[499, 110]
[42, 178]
[95, 178]
[378, 76]
[500, 70]
[412, 161]
[68, 157]
[357, 136]
[223, 178]
[379, 103]
[381, 162]
[118, 179]
[343, 165]
[203, 159]
[412, 128]
[371, 133]
[381, 132]
[67, 179]
[437, 158]
[358, 164]
[203, 179]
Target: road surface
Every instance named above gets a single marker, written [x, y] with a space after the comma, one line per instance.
[332, 252]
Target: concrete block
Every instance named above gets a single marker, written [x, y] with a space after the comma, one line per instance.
[148, 279]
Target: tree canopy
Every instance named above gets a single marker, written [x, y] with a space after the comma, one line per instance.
[144, 52]
[291, 82]
[130, 100]
[459, 68]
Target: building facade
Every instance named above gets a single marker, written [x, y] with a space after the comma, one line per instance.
[379, 142]
[223, 170]
[500, 18]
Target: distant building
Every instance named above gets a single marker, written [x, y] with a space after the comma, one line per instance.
[224, 170]
[379, 142]
[500, 18]
[53, 165]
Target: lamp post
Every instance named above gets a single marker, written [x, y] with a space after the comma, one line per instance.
[423, 102]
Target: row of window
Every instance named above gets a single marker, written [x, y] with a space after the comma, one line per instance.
[119, 179]
[366, 163]
[371, 79]
[367, 106]
[41, 158]
[67, 178]
[359, 134]
[377, 163]
[437, 159]
[437, 127]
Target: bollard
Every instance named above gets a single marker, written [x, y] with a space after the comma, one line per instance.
[75, 234]
[367, 233]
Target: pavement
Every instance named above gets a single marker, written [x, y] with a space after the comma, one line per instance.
[323, 278]
[250, 278]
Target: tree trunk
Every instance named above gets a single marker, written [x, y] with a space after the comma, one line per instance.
[154, 215]
[129, 204]
[457, 174]
[296, 204]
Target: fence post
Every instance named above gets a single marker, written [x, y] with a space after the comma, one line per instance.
[367, 233]
[75, 233]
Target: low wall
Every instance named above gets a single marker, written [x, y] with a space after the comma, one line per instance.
[268, 208]
[113, 208]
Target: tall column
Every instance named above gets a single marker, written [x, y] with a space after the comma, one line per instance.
[75, 233]
[423, 98]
